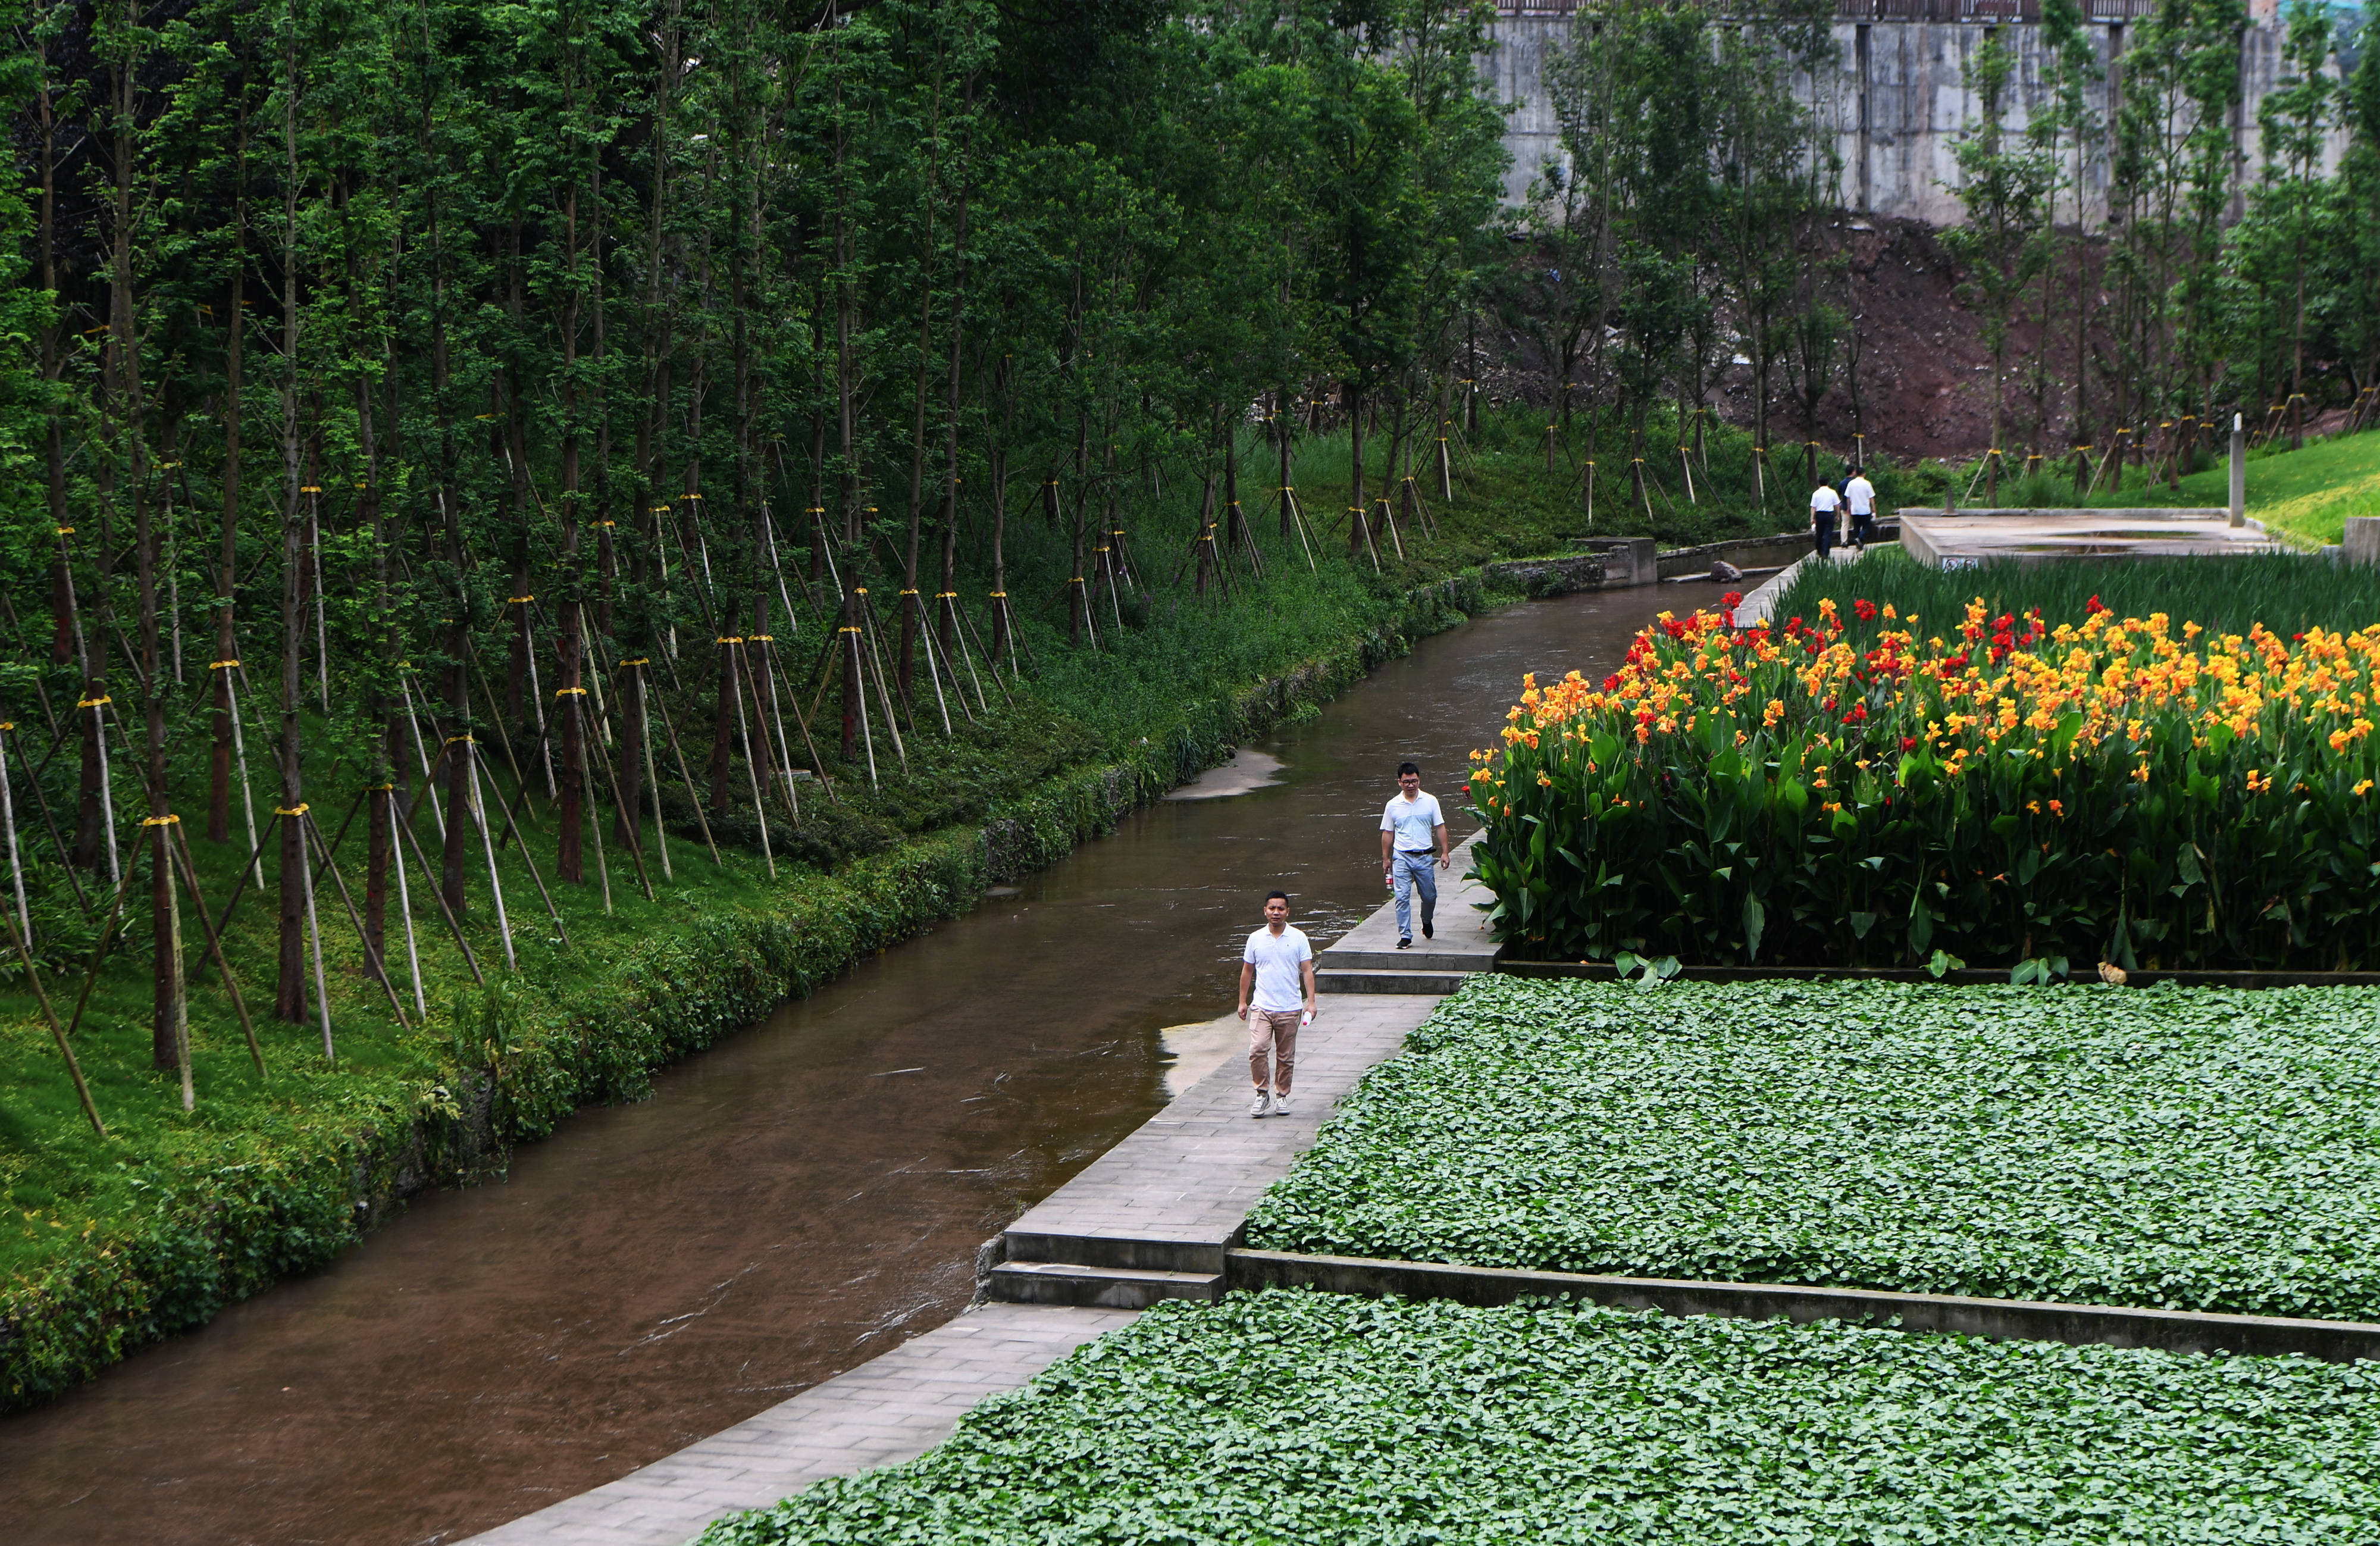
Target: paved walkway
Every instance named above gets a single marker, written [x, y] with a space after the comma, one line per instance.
[891, 1408]
[1463, 944]
[1169, 1198]
[1172, 1196]
[1757, 606]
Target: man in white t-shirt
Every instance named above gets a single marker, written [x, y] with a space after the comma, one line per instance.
[1823, 502]
[1276, 997]
[1409, 829]
[1858, 497]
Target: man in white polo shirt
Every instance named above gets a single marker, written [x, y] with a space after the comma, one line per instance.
[1276, 997]
[1824, 504]
[1409, 829]
[1858, 497]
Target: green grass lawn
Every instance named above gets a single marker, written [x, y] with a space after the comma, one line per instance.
[2199, 1149]
[1287, 1416]
[2302, 496]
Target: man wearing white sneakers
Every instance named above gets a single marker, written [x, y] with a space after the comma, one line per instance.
[1412, 836]
[1279, 966]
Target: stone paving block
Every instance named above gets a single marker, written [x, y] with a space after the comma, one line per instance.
[892, 1408]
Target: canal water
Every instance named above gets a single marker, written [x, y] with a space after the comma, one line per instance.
[789, 1204]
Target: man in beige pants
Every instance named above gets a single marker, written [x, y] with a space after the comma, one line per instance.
[1279, 966]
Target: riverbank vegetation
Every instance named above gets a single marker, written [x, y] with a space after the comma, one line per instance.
[1287, 1416]
[2181, 1148]
[2011, 788]
[497, 499]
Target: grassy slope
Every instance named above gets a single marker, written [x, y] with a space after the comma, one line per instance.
[2303, 497]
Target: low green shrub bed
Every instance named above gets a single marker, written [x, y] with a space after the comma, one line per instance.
[1288, 1416]
[2185, 1149]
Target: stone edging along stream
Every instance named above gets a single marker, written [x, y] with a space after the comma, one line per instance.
[227, 1234]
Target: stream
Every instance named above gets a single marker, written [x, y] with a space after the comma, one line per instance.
[790, 1203]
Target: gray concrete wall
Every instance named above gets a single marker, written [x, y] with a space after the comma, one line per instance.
[1896, 103]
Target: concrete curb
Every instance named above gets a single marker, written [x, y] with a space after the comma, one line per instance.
[2012, 1319]
[1965, 977]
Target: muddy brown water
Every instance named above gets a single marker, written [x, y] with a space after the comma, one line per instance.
[790, 1203]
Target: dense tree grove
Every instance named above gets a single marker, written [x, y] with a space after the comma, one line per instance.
[592, 392]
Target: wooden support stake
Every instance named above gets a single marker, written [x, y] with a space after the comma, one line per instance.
[371, 951]
[214, 948]
[74, 1069]
[470, 959]
[675, 750]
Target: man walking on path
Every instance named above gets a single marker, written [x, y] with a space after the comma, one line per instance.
[1823, 502]
[1409, 829]
[1279, 966]
[1859, 497]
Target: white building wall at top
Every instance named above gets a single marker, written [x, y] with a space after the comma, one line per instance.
[1910, 77]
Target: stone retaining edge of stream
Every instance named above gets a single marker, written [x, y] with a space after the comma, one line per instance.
[225, 1238]
[2002, 1320]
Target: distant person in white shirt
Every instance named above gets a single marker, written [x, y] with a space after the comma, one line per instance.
[1277, 982]
[1409, 829]
[1823, 502]
[1859, 495]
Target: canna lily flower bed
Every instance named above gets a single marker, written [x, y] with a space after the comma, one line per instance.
[1995, 789]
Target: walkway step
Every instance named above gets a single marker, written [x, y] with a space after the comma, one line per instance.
[1068, 1283]
[1118, 1252]
[1421, 958]
[1435, 982]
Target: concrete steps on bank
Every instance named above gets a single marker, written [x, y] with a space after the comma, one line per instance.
[1367, 960]
[1152, 1218]
[1104, 1272]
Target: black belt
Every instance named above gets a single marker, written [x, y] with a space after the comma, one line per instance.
[1415, 853]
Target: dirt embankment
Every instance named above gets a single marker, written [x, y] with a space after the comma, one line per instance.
[1913, 371]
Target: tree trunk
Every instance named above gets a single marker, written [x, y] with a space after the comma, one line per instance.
[1358, 529]
[289, 991]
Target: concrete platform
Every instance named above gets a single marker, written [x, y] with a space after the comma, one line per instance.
[891, 1408]
[1151, 1218]
[1975, 536]
[1367, 960]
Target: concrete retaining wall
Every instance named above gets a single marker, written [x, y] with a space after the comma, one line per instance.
[2015, 1320]
[1894, 101]
[1540, 578]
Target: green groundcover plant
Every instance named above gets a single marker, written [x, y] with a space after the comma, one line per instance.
[1298, 1417]
[2185, 1149]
